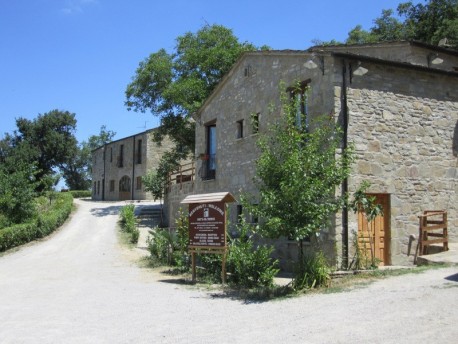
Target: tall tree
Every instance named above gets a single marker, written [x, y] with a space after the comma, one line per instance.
[174, 86]
[297, 174]
[51, 141]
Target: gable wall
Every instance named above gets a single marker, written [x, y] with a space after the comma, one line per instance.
[404, 125]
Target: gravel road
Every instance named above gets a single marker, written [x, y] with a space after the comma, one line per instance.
[79, 286]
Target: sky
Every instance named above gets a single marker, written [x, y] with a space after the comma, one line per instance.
[79, 55]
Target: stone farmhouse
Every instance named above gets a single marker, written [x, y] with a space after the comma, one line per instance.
[118, 167]
[397, 103]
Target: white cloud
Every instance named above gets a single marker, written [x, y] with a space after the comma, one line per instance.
[76, 6]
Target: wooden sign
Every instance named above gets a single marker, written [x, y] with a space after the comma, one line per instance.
[207, 225]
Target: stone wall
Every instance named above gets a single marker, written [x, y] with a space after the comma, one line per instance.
[404, 147]
[106, 167]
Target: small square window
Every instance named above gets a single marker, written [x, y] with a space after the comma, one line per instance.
[240, 129]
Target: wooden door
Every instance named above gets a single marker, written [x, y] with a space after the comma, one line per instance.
[374, 238]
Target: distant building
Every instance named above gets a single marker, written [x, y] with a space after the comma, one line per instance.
[118, 167]
[397, 103]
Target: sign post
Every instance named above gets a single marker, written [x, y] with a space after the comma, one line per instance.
[207, 226]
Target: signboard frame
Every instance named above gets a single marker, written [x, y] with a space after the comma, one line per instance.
[208, 226]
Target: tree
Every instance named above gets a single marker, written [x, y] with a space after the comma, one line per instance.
[174, 86]
[51, 143]
[297, 174]
[77, 172]
[17, 183]
[427, 23]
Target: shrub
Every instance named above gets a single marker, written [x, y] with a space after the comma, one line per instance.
[81, 193]
[128, 223]
[161, 245]
[250, 265]
[48, 220]
[312, 272]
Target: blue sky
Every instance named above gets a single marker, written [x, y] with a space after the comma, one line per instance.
[79, 55]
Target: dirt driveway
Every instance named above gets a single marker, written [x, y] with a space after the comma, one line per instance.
[79, 287]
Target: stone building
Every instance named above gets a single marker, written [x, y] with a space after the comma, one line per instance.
[397, 102]
[118, 167]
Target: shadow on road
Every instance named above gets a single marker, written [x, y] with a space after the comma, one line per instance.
[453, 278]
[101, 212]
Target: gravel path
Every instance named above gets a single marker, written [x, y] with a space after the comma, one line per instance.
[79, 286]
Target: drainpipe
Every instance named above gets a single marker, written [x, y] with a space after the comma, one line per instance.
[345, 182]
[103, 179]
[133, 167]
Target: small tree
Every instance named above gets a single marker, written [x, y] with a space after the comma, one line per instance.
[297, 173]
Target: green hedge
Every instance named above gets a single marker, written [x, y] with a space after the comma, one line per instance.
[81, 193]
[44, 224]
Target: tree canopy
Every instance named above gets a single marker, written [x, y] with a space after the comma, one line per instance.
[428, 23]
[49, 142]
[174, 85]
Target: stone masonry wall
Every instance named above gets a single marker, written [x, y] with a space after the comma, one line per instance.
[404, 148]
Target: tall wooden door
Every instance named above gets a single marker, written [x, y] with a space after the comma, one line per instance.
[374, 238]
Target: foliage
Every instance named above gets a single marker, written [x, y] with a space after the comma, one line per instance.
[17, 186]
[362, 202]
[250, 265]
[77, 172]
[80, 193]
[297, 173]
[313, 272]
[51, 143]
[174, 86]
[427, 23]
[171, 247]
[128, 223]
[49, 218]
[161, 245]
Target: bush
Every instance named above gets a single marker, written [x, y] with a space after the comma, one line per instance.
[48, 220]
[161, 246]
[81, 193]
[250, 265]
[312, 272]
[128, 223]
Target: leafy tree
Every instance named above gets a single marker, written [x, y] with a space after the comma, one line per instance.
[50, 140]
[17, 183]
[297, 174]
[173, 86]
[429, 23]
[77, 172]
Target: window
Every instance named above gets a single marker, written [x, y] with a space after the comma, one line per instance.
[111, 154]
[121, 156]
[239, 213]
[240, 129]
[98, 187]
[139, 183]
[112, 185]
[139, 151]
[209, 163]
[255, 122]
[254, 218]
[298, 94]
[94, 189]
[124, 184]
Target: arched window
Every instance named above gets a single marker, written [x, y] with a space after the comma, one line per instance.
[124, 184]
